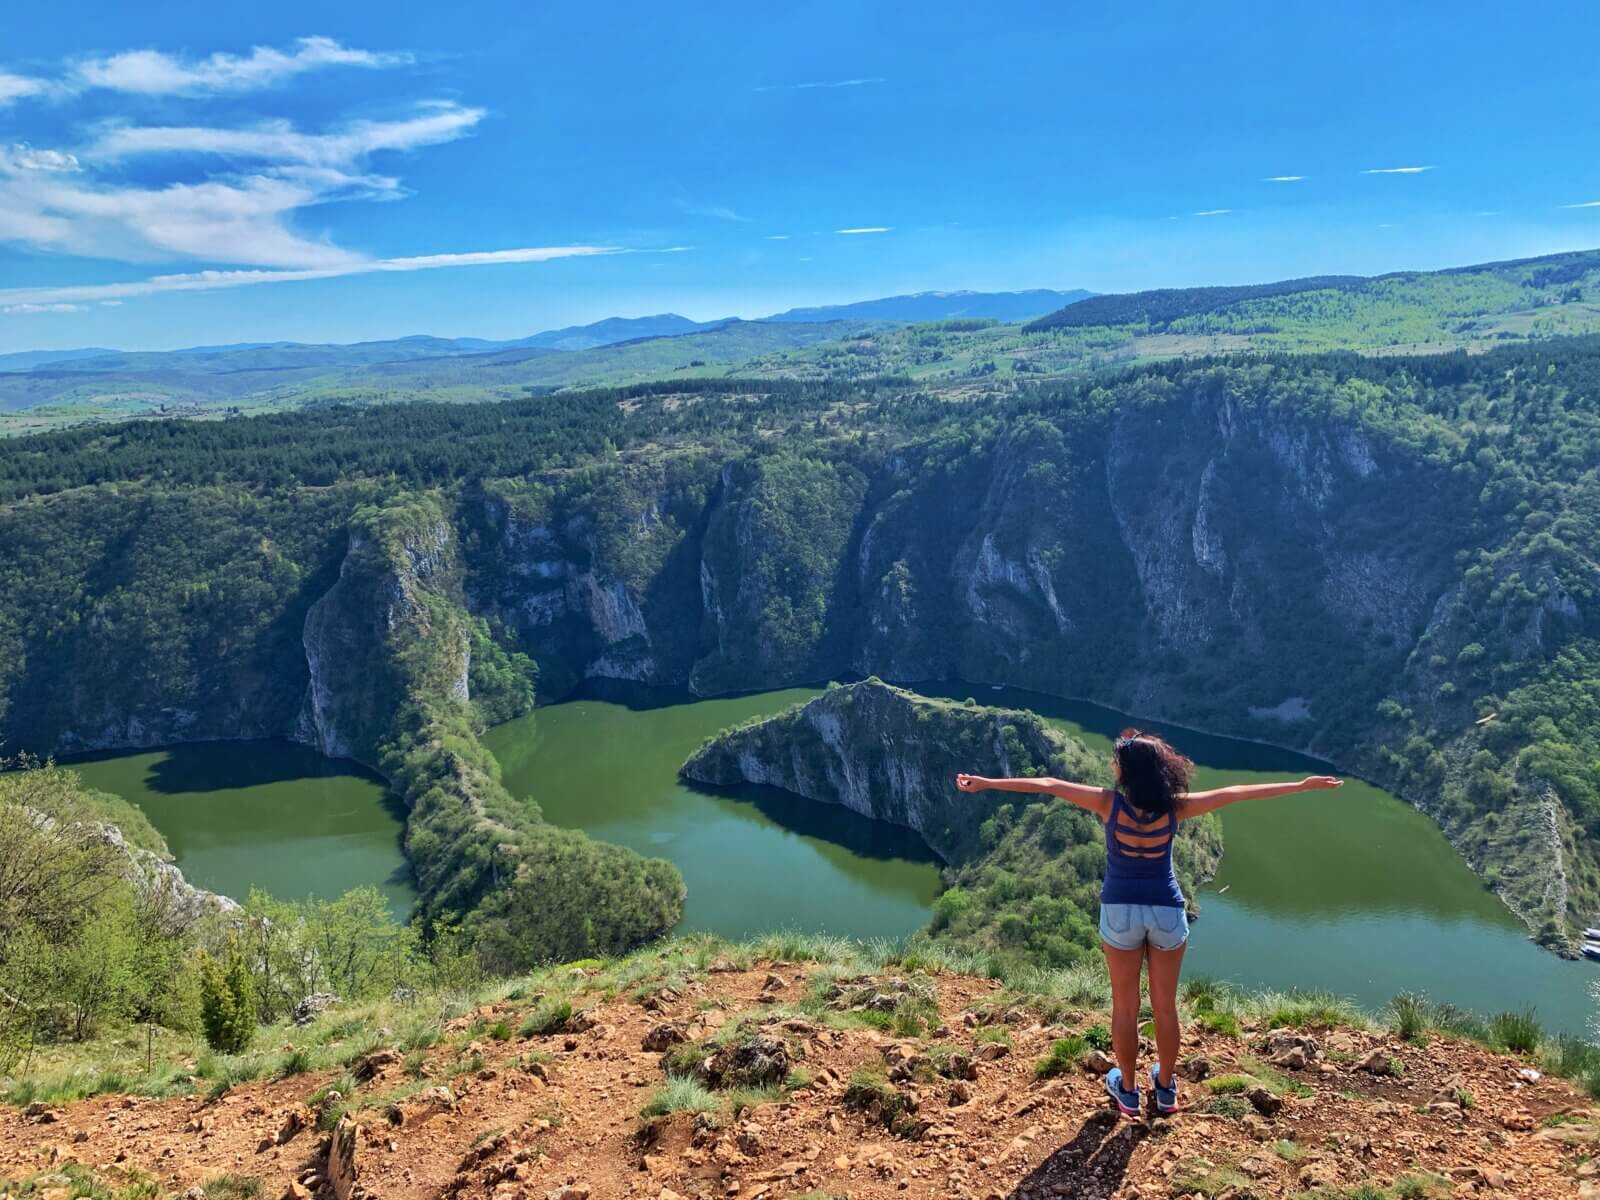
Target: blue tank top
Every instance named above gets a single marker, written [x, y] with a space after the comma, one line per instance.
[1139, 858]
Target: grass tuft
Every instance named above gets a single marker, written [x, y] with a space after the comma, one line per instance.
[679, 1094]
[1065, 1054]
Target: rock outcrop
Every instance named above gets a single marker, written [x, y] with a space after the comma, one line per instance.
[892, 755]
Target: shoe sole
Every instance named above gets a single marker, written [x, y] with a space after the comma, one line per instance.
[1132, 1114]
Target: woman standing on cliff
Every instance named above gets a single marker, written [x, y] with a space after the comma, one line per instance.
[1142, 913]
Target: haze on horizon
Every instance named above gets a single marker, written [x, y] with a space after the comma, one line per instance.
[186, 175]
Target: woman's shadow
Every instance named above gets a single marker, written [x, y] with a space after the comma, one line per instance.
[1094, 1162]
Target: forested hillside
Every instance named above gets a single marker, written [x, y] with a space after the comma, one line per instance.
[1389, 562]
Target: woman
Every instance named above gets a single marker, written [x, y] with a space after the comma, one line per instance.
[1142, 915]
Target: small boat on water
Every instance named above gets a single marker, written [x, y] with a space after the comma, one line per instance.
[1592, 950]
[1591, 935]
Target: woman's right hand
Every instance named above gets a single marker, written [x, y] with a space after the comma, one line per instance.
[969, 783]
[1318, 783]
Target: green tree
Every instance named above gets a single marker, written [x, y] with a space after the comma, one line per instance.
[227, 1002]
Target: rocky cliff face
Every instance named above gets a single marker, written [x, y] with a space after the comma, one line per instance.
[168, 896]
[383, 586]
[893, 755]
[1204, 559]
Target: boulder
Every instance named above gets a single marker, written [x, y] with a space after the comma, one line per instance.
[370, 1067]
[1263, 1101]
[1319, 1175]
[662, 1037]
[307, 1009]
[342, 1170]
[1290, 1048]
[754, 1061]
[1376, 1062]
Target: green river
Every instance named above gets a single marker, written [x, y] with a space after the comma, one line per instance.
[263, 814]
[1352, 891]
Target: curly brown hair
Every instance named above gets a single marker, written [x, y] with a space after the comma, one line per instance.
[1153, 774]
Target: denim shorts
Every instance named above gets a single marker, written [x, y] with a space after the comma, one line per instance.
[1130, 926]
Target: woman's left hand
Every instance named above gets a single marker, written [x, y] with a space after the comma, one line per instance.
[969, 783]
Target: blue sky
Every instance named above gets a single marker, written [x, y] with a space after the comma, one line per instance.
[190, 173]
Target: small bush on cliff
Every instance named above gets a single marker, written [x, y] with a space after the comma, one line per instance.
[227, 1002]
[1518, 1032]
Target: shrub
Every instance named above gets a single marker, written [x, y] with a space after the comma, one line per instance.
[1224, 1023]
[549, 1017]
[294, 1062]
[1518, 1032]
[1228, 1085]
[227, 1002]
[1065, 1053]
[1410, 1016]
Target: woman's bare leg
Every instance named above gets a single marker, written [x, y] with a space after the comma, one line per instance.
[1165, 966]
[1124, 966]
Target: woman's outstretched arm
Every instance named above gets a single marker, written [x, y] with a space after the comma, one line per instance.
[1096, 799]
[1195, 803]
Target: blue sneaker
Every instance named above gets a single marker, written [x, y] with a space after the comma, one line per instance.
[1127, 1101]
[1166, 1097]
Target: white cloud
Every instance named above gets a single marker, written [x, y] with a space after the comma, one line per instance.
[153, 73]
[242, 220]
[1284, 179]
[28, 309]
[15, 87]
[866, 229]
[1584, 204]
[23, 157]
[777, 237]
[1214, 212]
[280, 142]
[205, 281]
[826, 84]
[1396, 170]
[242, 215]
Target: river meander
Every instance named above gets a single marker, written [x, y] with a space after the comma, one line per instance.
[1352, 891]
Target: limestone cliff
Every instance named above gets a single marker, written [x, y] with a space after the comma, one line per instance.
[390, 584]
[892, 755]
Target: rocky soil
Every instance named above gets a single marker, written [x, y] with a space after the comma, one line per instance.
[958, 1112]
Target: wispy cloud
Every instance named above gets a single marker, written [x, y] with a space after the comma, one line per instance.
[240, 212]
[1213, 212]
[866, 81]
[23, 157]
[205, 281]
[720, 212]
[15, 87]
[29, 309]
[1396, 170]
[1284, 179]
[433, 123]
[777, 237]
[153, 73]
[866, 229]
[1488, 212]
[1584, 204]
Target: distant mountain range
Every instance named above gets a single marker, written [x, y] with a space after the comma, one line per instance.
[1005, 307]
[258, 356]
